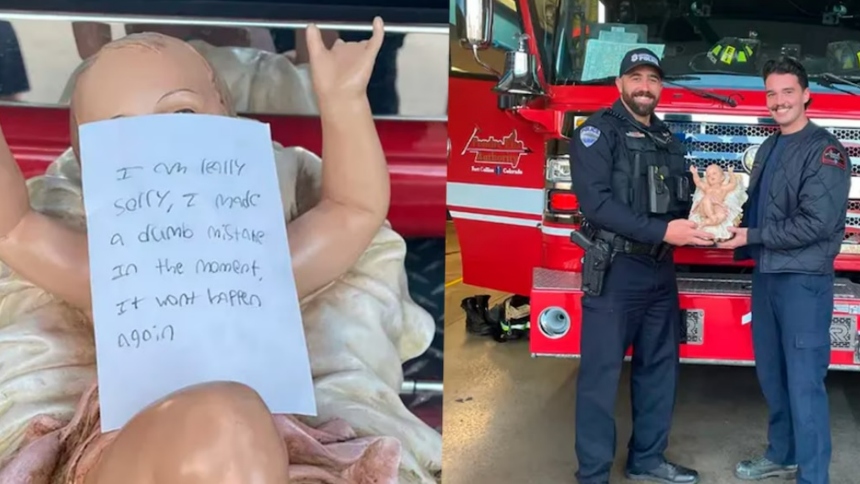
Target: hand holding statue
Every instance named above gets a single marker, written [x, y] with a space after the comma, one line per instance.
[344, 70]
[739, 238]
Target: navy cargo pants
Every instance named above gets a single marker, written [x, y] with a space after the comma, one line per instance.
[638, 306]
[791, 316]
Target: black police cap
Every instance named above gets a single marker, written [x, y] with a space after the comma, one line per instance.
[640, 57]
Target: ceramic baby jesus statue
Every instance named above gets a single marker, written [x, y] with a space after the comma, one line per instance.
[718, 200]
[359, 320]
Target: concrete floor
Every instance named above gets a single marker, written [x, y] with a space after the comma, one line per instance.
[509, 418]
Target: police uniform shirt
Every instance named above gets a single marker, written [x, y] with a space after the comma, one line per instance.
[594, 148]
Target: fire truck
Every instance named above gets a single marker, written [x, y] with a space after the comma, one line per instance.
[415, 145]
[526, 73]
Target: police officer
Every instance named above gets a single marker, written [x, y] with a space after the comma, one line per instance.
[630, 175]
[793, 227]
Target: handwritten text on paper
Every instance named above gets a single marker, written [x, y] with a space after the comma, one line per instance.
[190, 266]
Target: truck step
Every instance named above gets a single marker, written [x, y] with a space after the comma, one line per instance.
[698, 284]
[741, 284]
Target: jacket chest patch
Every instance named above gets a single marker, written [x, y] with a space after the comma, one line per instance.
[832, 156]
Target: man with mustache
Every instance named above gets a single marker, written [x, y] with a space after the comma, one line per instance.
[631, 178]
[793, 227]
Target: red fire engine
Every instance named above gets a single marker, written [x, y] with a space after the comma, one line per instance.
[525, 73]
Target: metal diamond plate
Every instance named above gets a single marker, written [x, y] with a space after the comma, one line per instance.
[715, 284]
[552, 280]
[741, 284]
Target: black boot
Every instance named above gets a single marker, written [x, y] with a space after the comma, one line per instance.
[482, 303]
[476, 321]
[665, 473]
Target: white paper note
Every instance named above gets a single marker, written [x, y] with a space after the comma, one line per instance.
[190, 265]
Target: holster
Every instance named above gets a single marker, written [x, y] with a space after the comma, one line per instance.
[594, 266]
[598, 258]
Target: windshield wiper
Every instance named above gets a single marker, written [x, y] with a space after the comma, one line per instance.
[828, 79]
[727, 100]
[672, 81]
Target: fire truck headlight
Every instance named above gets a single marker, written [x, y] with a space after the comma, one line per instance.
[578, 120]
[558, 169]
[554, 322]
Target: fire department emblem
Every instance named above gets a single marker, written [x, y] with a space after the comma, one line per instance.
[507, 151]
[748, 158]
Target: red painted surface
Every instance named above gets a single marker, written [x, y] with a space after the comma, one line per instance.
[416, 152]
[499, 256]
[559, 253]
[725, 338]
[494, 255]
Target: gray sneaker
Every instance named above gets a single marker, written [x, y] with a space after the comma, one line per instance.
[762, 468]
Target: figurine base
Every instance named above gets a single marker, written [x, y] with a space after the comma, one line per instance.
[720, 232]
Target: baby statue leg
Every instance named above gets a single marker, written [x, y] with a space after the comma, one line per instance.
[215, 433]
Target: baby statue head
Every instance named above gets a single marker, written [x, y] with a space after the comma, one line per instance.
[714, 175]
[145, 73]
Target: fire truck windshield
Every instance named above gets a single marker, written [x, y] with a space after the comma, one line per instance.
[715, 43]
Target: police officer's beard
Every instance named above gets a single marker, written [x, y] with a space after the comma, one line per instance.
[635, 106]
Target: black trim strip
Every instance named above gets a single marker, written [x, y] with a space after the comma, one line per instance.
[417, 12]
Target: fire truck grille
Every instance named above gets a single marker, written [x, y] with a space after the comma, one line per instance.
[724, 144]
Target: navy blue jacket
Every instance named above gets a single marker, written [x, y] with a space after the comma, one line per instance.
[802, 225]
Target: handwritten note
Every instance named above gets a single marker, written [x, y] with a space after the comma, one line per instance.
[190, 264]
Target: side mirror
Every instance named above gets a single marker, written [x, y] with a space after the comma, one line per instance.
[477, 33]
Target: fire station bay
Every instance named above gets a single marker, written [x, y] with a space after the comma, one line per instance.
[581, 348]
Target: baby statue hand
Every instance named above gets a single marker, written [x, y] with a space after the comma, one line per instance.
[343, 71]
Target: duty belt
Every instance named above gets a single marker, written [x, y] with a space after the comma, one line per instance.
[626, 246]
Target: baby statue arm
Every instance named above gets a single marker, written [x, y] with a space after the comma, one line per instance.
[733, 181]
[328, 239]
[696, 178]
[38, 248]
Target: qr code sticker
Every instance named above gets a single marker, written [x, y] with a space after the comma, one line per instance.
[843, 333]
[695, 325]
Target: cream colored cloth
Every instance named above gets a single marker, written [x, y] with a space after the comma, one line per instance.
[360, 329]
[259, 81]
